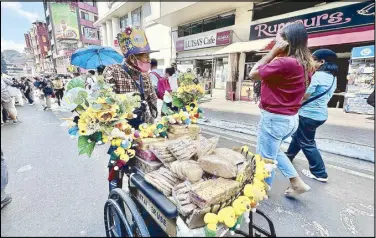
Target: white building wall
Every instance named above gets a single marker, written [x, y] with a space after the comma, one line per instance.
[159, 36]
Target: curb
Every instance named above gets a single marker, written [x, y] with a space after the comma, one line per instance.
[332, 146]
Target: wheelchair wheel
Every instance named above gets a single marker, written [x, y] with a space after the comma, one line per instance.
[114, 220]
[134, 223]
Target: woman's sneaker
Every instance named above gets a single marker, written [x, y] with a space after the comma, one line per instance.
[308, 173]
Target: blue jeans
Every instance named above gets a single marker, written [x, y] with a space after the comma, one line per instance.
[304, 139]
[273, 130]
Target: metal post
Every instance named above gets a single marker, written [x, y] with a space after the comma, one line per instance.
[214, 66]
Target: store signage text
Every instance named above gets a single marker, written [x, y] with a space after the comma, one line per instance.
[358, 14]
[210, 40]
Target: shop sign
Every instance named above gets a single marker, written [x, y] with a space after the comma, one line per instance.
[91, 33]
[64, 17]
[354, 15]
[363, 52]
[205, 41]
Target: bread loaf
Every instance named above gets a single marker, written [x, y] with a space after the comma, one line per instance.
[187, 169]
[218, 166]
[183, 148]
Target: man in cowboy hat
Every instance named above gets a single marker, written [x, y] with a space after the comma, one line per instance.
[132, 76]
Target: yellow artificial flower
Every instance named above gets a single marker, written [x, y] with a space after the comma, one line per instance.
[101, 100]
[106, 116]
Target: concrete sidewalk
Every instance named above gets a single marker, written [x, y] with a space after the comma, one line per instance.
[343, 133]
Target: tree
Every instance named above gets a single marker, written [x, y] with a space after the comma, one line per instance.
[3, 64]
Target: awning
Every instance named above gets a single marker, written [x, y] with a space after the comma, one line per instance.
[363, 52]
[256, 45]
[341, 37]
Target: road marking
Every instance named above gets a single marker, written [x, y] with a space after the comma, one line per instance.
[349, 215]
[242, 142]
[24, 168]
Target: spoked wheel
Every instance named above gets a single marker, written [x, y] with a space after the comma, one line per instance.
[122, 217]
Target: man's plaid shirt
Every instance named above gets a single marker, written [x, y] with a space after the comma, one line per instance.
[124, 82]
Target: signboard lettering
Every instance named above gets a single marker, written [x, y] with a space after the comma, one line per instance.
[210, 40]
[358, 14]
[168, 225]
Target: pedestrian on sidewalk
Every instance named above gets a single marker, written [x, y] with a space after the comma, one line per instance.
[46, 92]
[100, 70]
[58, 86]
[284, 73]
[5, 197]
[155, 75]
[314, 113]
[7, 101]
[90, 79]
[172, 80]
[28, 91]
[256, 90]
[371, 101]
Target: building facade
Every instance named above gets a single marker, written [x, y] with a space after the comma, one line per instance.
[115, 16]
[37, 47]
[339, 26]
[221, 42]
[70, 26]
[200, 30]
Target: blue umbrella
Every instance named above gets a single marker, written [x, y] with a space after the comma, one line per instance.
[93, 56]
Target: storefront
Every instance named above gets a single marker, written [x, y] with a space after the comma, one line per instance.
[361, 80]
[196, 53]
[339, 26]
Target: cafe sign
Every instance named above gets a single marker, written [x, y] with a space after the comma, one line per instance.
[204, 41]
[359, 14]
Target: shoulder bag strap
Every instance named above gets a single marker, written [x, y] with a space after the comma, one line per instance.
[156, 75]
[320, 95]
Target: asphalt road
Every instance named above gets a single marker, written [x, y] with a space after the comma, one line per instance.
[58, 193]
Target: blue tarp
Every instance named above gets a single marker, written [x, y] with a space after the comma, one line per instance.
[363, 52]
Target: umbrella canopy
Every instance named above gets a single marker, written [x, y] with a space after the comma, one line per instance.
[93, 56]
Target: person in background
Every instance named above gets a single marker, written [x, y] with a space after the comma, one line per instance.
[314, 113]
[176, 72]
[6, 198]
[28, 91]
[58, 86]
[100, 70]
[371, 101]
[256, 90]
[7, 102]
[285, 74]
[47, 91]
[155, 73]
[90, 79]
[173, 81]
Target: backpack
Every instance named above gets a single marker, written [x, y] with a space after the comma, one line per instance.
[58, 84]
[163, 85]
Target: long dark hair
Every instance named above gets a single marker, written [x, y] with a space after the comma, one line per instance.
[297, 37]
[329, 57]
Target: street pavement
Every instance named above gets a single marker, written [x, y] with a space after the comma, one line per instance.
[58, 193]
[345, 134]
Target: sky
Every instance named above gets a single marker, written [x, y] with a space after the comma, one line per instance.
[16, 19]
